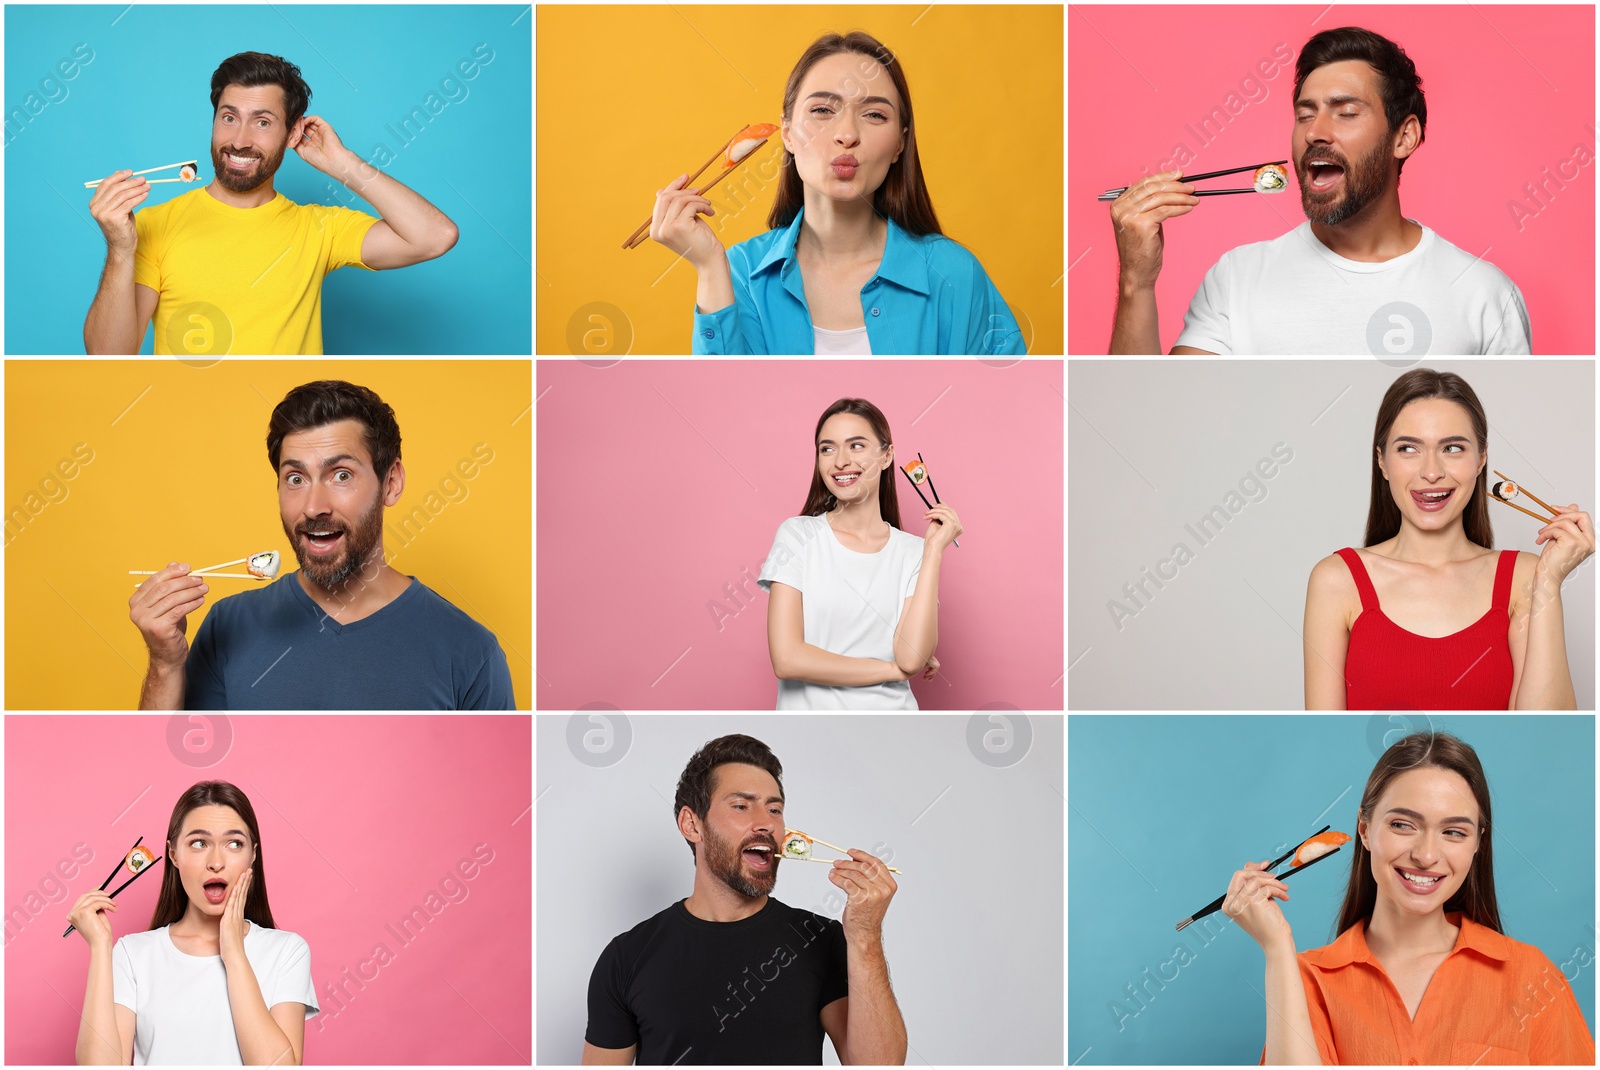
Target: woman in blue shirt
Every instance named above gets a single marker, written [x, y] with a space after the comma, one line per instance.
[855, 262]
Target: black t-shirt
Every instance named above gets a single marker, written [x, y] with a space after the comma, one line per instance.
[695, 992]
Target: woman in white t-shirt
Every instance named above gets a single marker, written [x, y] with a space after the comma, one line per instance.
[854, 606]
[212, 980]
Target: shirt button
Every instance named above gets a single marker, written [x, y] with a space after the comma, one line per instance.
[1411, 1061]
[874, 312]
[709, 333]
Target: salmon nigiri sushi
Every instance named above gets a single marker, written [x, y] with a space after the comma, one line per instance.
[1320, 844]
[747, 141]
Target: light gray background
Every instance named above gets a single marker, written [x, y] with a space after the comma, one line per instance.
[1153, 445]
[974, 934]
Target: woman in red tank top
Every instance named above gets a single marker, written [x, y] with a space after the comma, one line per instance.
[1426, 616]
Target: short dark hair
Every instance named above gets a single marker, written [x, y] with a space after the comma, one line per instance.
[1397, 74]
[694, 786]
[328, 401]
[251, 69]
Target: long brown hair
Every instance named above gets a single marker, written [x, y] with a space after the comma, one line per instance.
[819, 499]
[173, 902]
[1420, 384]
[903, 197]
[1475, 898]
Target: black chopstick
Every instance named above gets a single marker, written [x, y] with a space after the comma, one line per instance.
[930, 487]
[1113, 194]
[114, 873]
[1216, 904]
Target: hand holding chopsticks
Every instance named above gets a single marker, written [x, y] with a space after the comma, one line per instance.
[740, 147]
[1328, 842]
[1570, 531]
[918, 474]
[137, 860]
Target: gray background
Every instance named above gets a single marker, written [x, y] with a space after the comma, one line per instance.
[1153, 445]
[974, 934]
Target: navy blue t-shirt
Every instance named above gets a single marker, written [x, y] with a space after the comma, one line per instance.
[275, 649]
[692, 992]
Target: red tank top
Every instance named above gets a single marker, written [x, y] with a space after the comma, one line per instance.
[1389, 668]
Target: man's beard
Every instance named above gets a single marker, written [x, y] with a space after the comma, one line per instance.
[725, 860]
[1365, 181]
[250, 180]
[359, 542]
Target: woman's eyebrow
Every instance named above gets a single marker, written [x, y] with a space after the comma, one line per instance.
[831, 442]
[207, 832]
[1447, 438]
[864, 100]
[1418, 817]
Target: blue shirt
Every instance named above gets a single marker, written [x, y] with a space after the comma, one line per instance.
[929, 296]
[275, 649]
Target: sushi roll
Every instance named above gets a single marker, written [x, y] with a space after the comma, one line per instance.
[747, 141]
[140, 857]
[796, 845]
[1319, 845]
[916, 471]
[264, 565]
[1271, 178]
[187, 172]
[1505, 490]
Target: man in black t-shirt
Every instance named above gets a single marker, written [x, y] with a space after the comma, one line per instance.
[731, 975]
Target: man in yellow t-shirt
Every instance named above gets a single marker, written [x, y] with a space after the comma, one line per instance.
[237, 267]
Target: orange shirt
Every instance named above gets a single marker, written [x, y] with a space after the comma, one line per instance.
[1492, 1002]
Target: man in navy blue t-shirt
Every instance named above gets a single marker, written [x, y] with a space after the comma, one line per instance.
[345, 631]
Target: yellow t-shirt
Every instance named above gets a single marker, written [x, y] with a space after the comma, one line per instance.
[242, 280]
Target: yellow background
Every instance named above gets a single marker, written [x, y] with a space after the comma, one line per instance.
[183, 475]
[631, 97]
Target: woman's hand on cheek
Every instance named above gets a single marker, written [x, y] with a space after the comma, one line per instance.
[234, 925]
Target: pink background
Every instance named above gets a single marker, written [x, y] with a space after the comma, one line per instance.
[361, 820]
[1510, 92]
[662, 485]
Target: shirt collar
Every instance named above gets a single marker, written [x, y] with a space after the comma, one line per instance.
[1352, 944]
[904, 262]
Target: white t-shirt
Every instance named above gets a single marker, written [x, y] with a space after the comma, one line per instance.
[1295, 295]
[851, 603]
[181, 1000]
[838, 343]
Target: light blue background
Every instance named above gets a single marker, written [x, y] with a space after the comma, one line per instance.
[143, 99]
[1162, 811]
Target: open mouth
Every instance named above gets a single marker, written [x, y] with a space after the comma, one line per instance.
[239, 163]
[1324, 175]
[215, 891]
[1431, 501]
[846, 479]
[323, 541]
[758, 856]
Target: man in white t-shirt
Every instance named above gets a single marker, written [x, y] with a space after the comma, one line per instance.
[1358, 276]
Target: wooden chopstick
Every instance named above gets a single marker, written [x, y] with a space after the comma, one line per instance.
[1555, 513]
[1113, 194]
[644, 233]
[633, 239]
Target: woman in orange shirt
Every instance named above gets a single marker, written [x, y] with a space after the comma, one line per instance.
[1421, 972]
